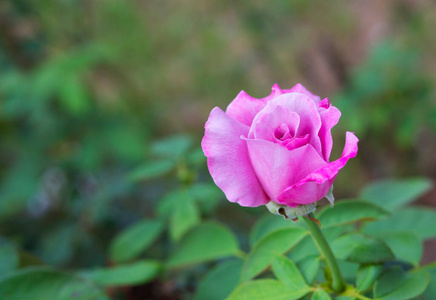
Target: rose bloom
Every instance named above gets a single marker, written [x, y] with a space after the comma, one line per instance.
[275, 148]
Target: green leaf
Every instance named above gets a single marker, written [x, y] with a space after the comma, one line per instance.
[416, 219]
[268, 224]
[207, 241]
[220, 281]
[151, 170]
[394, 284]
[431, 289]
[131, 242]
[43, 284]
[184, 216]
[320, 295]
[350, 211]
[275, 243]
[172, 147]
[366, 276]
[394, 193]
[309, 267]
[287, 272]
[9, 258]
[406, 246]
[307, 247]
[348, 269]
[207, 195]
[130, 274]
[266, 289]
[359, 248]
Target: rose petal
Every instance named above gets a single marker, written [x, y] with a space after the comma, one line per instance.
[277, 168]
[329, 118]
[271, 117]
[244, 108]
[228, 160]
[317, 184]
[310, 121]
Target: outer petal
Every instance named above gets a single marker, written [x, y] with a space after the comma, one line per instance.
[244, 108]
[277, 168]
[228, 160]
[316, 185]
[298, 88]
[329, 118]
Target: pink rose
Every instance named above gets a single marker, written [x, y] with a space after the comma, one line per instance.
[275, 148]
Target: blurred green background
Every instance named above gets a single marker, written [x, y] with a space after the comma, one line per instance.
[103, 103]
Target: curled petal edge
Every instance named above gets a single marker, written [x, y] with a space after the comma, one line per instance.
[316, 185]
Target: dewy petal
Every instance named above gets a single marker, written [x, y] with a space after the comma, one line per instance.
[271, 117]
[277, 168]
[329, 118]
[305, 107]
[317, 184]
[244, 108]
[228, 160]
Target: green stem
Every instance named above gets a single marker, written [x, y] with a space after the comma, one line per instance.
[318, 237]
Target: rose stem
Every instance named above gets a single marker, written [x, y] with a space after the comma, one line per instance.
[321, 243]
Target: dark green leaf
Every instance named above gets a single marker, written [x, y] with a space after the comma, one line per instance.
[416, 219]
[266, 289]
[131, 242]
[366, 276]
[359, 248]
[394, 284]
[220, 281]
[43, 284]
[287, 272]
[9, 258]
[350, 211]
[394, 193]
[129, 274]
[277, 242]
[309, 267]
[207, 241]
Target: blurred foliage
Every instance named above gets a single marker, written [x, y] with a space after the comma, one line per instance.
[102, 107]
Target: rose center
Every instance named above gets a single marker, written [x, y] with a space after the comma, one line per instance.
[283, 136]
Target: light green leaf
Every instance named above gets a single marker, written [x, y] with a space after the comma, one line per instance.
[275, 243]
[350, 211]
[44, 283]
[309, 267]
[207, 195]
[131, 242]
[320, 295]
[366, 276]
[129, 274]
[394, 284]
[173, 146]
[348, 269]
[184, 216]
[406, 246]
[307, 247]
[394, 193]
[151, 170]
[416, 219]
[207, 241]
[220, 281]
[287, 272]
[359, 248]
[266, 289]
[269, 223]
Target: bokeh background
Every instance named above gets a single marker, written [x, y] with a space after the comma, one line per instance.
[103, 103]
